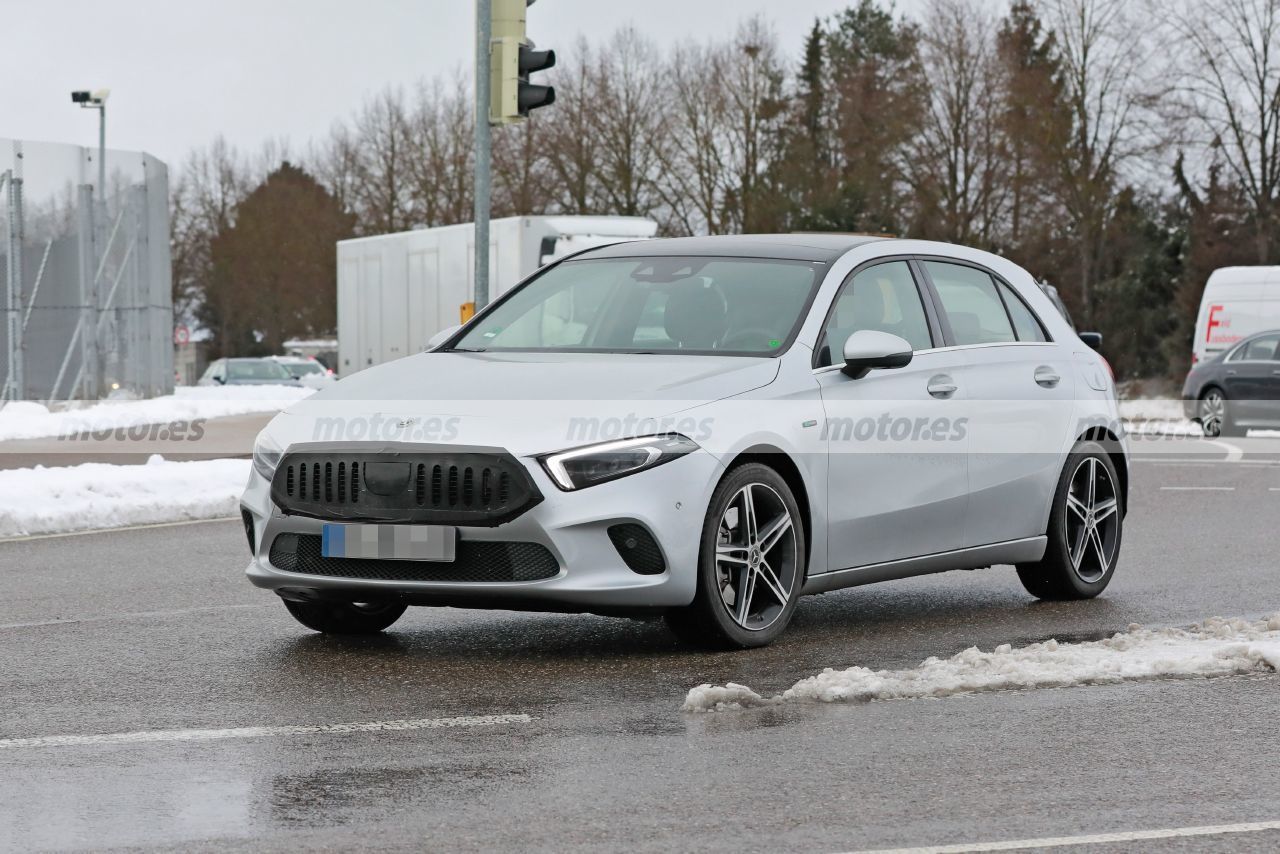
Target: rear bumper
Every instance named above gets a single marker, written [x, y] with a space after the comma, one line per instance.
[670, 501]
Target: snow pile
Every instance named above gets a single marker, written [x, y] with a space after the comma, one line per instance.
[26, 420]
[1216, 647]
[97, 495]
[1157, 417]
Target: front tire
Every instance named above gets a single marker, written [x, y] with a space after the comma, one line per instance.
[1085, 527]
[750, 566]
[346, 618]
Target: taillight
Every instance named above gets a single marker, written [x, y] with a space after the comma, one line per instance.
[1195, 360]
[1110, 370]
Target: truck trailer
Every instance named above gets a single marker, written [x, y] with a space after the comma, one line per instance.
[395, 291]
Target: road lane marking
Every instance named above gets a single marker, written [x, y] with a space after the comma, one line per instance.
[155, 735]
[28, 538]
[1234, 453]
[1197, 489]
[1090, 839]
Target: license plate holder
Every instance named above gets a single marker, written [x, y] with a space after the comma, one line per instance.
[437, 543]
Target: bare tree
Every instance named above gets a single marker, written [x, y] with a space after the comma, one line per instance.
[440, 134]
[1230, 90]
[630, 123]
[694, 170]
[572, 144]
[382, 194]
[1104, 51]
[955, 164]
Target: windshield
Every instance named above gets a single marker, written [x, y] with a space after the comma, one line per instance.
[703, 306]
[256, 369]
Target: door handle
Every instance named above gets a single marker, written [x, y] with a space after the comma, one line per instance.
[1232, 372]
[1047, 377]
[942, 386]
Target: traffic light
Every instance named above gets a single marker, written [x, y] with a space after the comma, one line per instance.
[511, 60]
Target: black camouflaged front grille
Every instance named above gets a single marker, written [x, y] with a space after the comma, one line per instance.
[476, 561]
[463, 488]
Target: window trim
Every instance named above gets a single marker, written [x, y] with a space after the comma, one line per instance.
[926, 303]
[996, 278]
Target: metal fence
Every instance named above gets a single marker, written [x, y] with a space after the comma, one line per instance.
[88, 305]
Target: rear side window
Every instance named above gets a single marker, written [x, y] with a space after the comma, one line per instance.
[972, 304]
[1025, 322]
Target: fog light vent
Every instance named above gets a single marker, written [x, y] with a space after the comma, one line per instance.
[638, 548]
[247, 518]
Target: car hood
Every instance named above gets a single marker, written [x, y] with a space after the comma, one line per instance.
[525, 402]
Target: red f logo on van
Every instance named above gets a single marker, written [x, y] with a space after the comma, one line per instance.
[1213, 322]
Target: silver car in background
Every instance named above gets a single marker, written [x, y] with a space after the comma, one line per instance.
[707, 429]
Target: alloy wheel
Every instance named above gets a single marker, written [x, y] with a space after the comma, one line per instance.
[1092, 520]
[1213, 413]
[756, 557]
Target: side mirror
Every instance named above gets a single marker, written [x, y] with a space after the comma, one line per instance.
[220, 380]
[867, 349]
[1092, 339]
[440, 337]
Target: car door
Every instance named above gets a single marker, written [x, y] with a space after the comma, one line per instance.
[1250, 380]
[897, 469]
[1021, 390]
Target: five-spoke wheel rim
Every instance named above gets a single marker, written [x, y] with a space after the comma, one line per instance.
[1213, 412]
[756, 557]
[1092, 520]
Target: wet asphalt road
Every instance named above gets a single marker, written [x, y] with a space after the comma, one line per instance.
[156, 629]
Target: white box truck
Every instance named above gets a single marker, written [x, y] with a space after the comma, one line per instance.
[397, 290]
[1237, 302]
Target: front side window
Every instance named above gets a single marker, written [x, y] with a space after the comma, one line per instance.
[1258, 350]
[691, 305]
[883, 298]
[972, 305]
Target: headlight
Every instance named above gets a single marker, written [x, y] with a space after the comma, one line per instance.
[266, 456]
[583, 467]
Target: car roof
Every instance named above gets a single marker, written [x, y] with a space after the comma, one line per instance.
[790, 247]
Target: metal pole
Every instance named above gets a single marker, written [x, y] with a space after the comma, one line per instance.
[17, 382]
[102, 153]
[484, 150]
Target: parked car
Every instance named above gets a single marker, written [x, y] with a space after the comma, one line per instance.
[246, 372]
[1237, 389]
[309, 372]
[703, 428]
[1238, 302]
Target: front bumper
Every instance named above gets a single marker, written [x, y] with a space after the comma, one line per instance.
[669, 500]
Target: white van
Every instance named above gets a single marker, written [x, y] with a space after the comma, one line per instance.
[1238, 302]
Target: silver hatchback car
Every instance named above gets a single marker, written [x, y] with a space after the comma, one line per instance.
[706, 429]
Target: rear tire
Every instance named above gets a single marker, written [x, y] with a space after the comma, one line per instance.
[346, 618]
[1085, 528]
[750, 566]
[1214, 413]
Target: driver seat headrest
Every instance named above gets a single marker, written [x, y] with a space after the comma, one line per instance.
[696, 316]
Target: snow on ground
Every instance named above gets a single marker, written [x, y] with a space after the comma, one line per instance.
[97, 495]
[27, 420]
[1157, 417]
[1216, 647]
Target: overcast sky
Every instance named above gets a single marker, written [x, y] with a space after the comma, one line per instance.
[182, 72]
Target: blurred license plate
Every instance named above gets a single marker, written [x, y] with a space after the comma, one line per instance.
[390, 542]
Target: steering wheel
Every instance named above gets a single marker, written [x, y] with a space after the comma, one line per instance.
[752, 338]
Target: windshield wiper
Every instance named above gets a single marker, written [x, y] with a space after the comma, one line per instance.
[466, 350]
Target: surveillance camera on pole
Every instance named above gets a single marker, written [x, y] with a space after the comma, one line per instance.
[512, 59]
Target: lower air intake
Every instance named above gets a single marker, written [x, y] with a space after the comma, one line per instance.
[475, 561]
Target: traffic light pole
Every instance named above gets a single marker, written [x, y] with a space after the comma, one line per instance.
[484, 150]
